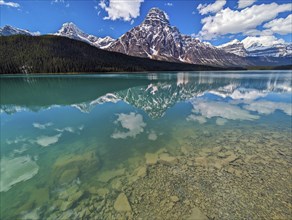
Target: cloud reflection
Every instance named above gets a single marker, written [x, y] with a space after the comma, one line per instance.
[132, 123]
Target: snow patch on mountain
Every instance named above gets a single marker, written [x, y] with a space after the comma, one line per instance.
[264, 46]
[70, 30]
[8, 30]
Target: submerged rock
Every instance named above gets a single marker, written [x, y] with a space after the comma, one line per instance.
[102, 191]
[197, 215]
[122, 204]
[174, 198]
[166, 159]
[68, 176]
[109, 175]
[71, 200]
[68, 167]
[142, 171]
[151, 159]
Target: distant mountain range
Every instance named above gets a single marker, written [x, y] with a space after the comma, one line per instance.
[257, 49]
[156, 39]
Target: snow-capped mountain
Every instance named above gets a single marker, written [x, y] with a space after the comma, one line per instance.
[70, 30]
[235, 47]
[257, 48]
[155, 38]
[8, 30]
[276, 50]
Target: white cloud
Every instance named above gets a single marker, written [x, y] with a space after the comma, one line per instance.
[267, 107]
[280, 25]
[70, 129]
[121, 9]
[211, 8]
[261, 40]
[152, 136]
[66, 3]
[228, 21]
[221, 121]
[240, 94]
[169, 4]
[245, 3]
[9, 4]
[46, 141]
[133, 124]
[16, 170]
[42, 126]
[210, 109]
[197, 118]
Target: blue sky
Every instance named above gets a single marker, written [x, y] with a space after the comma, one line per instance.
[216, 21]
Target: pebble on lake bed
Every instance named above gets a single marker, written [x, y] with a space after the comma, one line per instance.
[122, 204]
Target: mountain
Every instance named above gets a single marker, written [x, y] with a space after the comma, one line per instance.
[276, 50]
[235, 46]
[257, 49]
[70, 30]
[155, 38]
[9, 30]
[55, 54]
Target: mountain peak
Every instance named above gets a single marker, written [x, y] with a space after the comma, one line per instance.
[8, 30]
[70, 24]
[155, 16]
[69, 27]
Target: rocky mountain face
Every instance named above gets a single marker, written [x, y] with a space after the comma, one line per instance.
[70, 30]
[9, 30]
[155, 38]
[196, 51]
[257, 49]
[277, 50]
[236, 47]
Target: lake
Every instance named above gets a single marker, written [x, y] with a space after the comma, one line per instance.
[180, 145]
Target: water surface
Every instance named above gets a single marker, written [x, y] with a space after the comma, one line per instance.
[165, 145]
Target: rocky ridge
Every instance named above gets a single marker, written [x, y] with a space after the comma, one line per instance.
[257, 49]
[70, 30]
[155, 38]
[8, 30]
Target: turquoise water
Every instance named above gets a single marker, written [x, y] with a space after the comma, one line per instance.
[71, 145]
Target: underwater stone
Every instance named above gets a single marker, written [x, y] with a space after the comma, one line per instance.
[102, 191]
[197, 215]
[65, 205]
[142, 171]
[151, 159]
[174, 198]
[167, 159]
[108, 175]
[122, 204]
[71, 200]
[68, 176]
[116, 184]
[185, 149]
[68, 192]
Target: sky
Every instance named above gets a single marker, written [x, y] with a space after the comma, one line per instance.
[215, 21]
